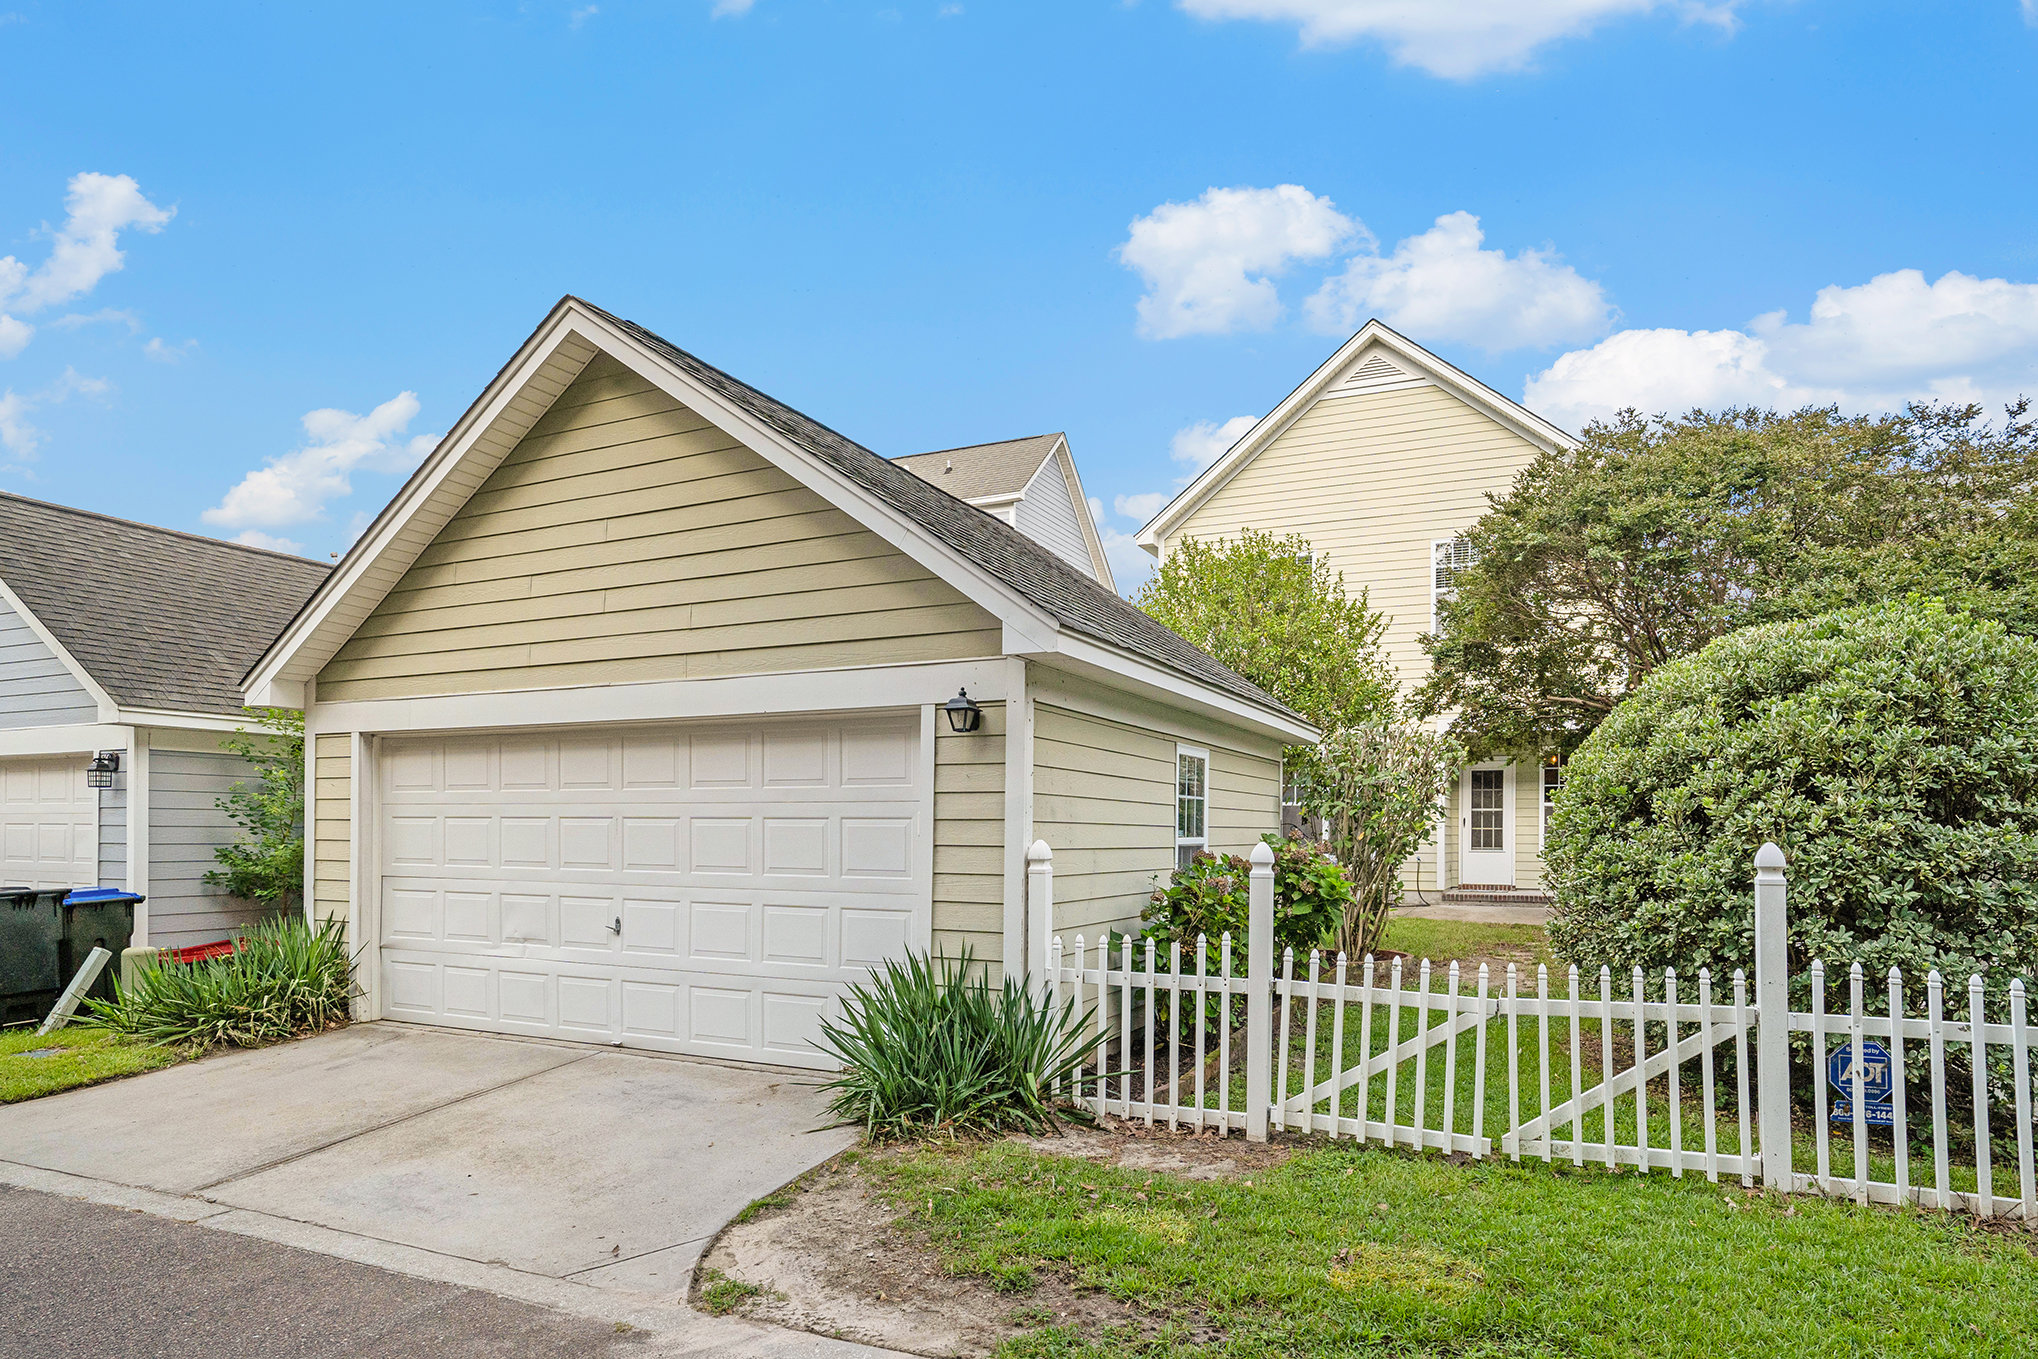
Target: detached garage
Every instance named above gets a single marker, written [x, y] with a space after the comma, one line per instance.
[652, 712]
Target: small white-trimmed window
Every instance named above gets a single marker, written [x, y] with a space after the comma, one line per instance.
[1192, 803]
[1450, 557]
[1553, 779]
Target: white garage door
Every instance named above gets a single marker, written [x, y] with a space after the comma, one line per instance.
[702, 889]
[49, 823]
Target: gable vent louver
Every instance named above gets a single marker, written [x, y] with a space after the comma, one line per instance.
[1377, 374]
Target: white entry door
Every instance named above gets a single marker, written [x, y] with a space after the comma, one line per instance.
[1486, 825]
[705, 889]
[49, 823]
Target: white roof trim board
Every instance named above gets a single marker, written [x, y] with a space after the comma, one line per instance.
[543, 367]
[1395, 362]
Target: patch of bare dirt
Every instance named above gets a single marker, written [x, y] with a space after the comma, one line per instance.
[1192, 1155]
[835, 1260]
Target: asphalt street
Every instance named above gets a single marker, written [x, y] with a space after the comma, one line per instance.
[81, 1281]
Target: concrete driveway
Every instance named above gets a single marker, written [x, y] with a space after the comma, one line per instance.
[583, 1178]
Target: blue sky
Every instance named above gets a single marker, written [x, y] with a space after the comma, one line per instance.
[256, 259]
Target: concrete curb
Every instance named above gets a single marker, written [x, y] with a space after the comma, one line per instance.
[682, 1330]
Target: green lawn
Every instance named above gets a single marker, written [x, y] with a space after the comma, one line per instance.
[1470, 942]
[87, 1057]
[1350, 1251]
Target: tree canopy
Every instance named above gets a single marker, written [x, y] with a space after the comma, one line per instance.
[1655, 536]
[1277, 614]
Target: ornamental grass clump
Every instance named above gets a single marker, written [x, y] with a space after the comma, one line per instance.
[926, 1046]
[286, 978]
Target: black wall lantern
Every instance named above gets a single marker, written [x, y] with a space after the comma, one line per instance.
[963, 713]
[99, 773]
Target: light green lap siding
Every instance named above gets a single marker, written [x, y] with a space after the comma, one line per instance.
[1104, 799]
[332, 825]
[625, 538]
[969, 839]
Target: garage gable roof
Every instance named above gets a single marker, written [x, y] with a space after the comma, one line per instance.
[152, 617]
[1034, 593]
[996, 471]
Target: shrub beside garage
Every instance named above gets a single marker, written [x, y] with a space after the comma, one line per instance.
[1892, 751]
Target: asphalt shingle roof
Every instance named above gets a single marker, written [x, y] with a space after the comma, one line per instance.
[1065, 594]
[161, 619]
[981, 470]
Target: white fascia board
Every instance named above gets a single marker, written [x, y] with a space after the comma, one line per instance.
[108, 709]
[67, 740]
[272, 683]
[806, 691]
[1474, 393]
[997, 502]
[1091, 538]
[570, 320]
[1080, 656]
[190, 721]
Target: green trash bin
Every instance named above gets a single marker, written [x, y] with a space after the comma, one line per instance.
[31, 936]
[96, 917]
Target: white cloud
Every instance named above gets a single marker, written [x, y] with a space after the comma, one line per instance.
[294, 488]
[2031, 12]
[1442, 287]
[21, 439]
[574, 20]
[1209, 265]
[1140, 508]
[257, 538]
[112, 316]
[730, 9]
[1198, 445]
[1874, 346]
[86, 249]
[168, 353]
[17, 436]
[1131, 564]
[951, 10]
[1457, 39]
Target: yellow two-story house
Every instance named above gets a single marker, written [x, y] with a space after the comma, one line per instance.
[1382, 459]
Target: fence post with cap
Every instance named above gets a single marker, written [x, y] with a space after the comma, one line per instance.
[1259, 993]
[1040, 910]
[1772, 1017]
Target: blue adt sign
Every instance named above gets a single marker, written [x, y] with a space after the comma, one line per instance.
[1878, 1083]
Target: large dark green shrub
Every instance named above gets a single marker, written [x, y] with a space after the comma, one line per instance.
[928, 1045]
[1891, 750]
[287, 978]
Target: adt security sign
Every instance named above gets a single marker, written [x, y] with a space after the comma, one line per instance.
[1878, 1083]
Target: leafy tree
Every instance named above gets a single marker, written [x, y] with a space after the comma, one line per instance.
[1277, 614]
[1379, 787]
[1656, 536]
[267, 863]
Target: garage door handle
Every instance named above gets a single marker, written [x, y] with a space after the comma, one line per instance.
[617, 927]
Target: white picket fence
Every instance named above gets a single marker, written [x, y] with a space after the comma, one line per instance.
[1593, 1074]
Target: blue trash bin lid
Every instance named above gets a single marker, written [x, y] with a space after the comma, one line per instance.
[101, 896]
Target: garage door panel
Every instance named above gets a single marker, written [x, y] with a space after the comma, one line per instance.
[49, 823]
[696, 890]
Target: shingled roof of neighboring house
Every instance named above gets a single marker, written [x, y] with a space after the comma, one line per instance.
[1065, 594]
[159, 618]
[983, 471]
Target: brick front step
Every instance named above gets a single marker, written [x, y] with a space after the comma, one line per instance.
[1477, 895]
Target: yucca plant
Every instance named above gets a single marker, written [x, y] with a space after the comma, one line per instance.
[287, 978]
[927, 1047]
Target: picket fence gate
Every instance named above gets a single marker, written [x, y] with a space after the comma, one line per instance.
[1653, 1096]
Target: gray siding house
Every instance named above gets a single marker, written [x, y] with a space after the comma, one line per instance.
[1029, 483]
[128, 639]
